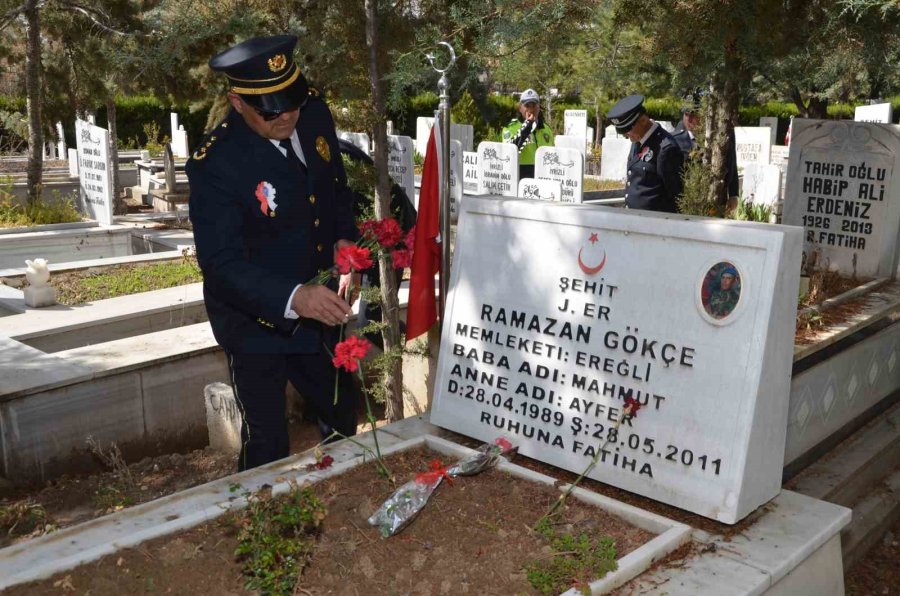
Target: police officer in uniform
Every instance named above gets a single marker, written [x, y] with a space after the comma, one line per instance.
[654, 162]
[528, 131]
[269, 206]
[687, 142]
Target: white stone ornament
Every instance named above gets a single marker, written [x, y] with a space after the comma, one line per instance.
[38, 293]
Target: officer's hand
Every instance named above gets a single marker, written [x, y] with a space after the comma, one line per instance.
[347, 283]
[318, 302]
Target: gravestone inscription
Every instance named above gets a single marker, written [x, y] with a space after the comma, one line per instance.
[400, 163]
[95, 195]
[752, 144]
[842, 187]
[540, 189]
[879, 112]
[498, 169]
[547, 352]
[566, 166]
[470, 173]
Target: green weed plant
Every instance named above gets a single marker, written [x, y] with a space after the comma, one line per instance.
[128, 279]
[575, 561]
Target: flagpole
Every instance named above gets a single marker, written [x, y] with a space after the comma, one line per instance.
[443, 121]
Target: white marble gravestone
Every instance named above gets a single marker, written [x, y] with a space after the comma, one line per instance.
[566, 166]
[843, 186]
[772, 123]
[612, 133]
[470, 173]
[94, 176]
[456, 177]
[400, 163]
[423, 131]
[761, 183]
[557, 313]
[614, 158]
[540, 189]
[779, 157]
[360, 139]
[223, 418]
[752, 144]
[666, 126]
[464, 133]
[570, 142]
[575, 125]
[73, 162]
[879, 112]
[498, 169]
[180, 142]
[61, 149]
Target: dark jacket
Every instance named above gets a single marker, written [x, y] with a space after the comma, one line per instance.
[252, 254]
[654, 173]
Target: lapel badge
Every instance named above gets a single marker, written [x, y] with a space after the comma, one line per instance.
[277, 62]
[648, 155]
[323, 148]
[265, 194]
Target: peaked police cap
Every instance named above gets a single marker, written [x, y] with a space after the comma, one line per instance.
[624, 114]
[262, 71]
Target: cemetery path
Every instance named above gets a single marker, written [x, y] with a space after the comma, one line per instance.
[878, 573]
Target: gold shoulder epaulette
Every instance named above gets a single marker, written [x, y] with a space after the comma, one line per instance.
[200, 153]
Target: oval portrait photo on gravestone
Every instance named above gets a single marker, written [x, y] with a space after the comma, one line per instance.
[720, 291]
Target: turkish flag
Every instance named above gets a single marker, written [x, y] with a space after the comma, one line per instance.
[421, 311]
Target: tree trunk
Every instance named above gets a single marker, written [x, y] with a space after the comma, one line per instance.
[119, 207]
[814, 108]
[721, 116]
[390, 306]
[33, 88]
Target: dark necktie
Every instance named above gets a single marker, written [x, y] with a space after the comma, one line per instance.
[291, 156]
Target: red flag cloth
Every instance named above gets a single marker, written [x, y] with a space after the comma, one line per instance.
[421, 311]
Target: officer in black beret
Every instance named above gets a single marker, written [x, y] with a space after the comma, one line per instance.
[687, 142]
[269, 205]
[654, 162]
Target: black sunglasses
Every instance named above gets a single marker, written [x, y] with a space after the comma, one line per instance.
[269, 116]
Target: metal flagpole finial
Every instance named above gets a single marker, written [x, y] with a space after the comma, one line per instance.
[431, 58]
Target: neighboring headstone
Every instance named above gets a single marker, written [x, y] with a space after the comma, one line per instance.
[772, 123]
[173, 122]
[470, 173]
[145, 155]
[223, 418]
[566, 166]
[546, 352]
[456, 177]
[38, 293]
[180, 142]
[96, 195]
[570, 142]
[575, 125]
[761, 183]
[464, 133]
[61, 148]
[879, 112]
[540, 189]
[843, 186]
[610, 132]
[360, 139]
[73, 162]
[752, 144]
[50, 150]
[423, 131]
[614, 158]
[169, 168]
[400, 163]
[498, 169]
[779, 157]
[666, 125]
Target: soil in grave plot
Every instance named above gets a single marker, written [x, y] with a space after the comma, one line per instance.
[473, 537]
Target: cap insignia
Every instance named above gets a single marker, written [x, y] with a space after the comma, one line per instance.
[323, 148]
[277, 63]
[614, 120]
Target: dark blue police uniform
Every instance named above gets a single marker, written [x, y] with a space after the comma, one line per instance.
[683, 139]
[654, 166]
[264, 223]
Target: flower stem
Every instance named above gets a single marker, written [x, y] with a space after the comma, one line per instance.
[382, 468]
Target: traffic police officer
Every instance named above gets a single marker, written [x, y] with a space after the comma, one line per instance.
[654, 162]
[269, 204]
[528, 131]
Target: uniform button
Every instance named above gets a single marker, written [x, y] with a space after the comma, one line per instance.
[320, 248]
[312, 199]
[316, 222]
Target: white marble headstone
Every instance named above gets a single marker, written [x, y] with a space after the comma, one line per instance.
[464, 133]
[470, 173]
[605, 304]
[400, 163]
[456, 177]
[772, 123]
[566, 166]
[779, 157]
[575, 125]
[360, 139]
[761, 183]
[173, 122]
[611, 133]
[61, 148]
[498, 169]
[540, 190]
[423, 131]
[614, 158]
[879, 112]
[666, 125]
[94, 176]
[843, 186]
[73, 162]
[752, 144]
[570, 142]
[180, 142]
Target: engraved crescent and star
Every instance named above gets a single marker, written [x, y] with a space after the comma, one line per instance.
[591, 269]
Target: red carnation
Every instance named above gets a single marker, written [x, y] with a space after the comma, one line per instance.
[352, 257]
[348, 353]
[388, 232]
[632, 406]
[402, 258]
[410, 239]
[367, 229]
[324, 463]
[503, 443]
